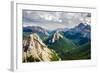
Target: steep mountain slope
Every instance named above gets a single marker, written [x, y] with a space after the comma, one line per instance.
[35, 50]
[84, 29]
[82, 52]
[79, 34]
[60, 44]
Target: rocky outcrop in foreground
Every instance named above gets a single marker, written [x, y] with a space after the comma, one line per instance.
[34, 50]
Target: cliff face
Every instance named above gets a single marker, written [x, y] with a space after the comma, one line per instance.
[56, 36]
[35, 50]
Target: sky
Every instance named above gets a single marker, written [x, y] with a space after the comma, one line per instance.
[52, 20]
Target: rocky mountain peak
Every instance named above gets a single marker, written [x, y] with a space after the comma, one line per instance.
[35, 37]
[36, 50]
[56, 36]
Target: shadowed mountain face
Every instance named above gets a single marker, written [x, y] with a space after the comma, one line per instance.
[35, 50]
[79, 34]
[84, 29]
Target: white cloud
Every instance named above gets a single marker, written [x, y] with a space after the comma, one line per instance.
[47, 26]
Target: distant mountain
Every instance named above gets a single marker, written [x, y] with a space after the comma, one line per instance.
[34, 50]
[60, 44]
[80, 34]
[35, 29]
[62, 29]
[84, 29]
[79, 27]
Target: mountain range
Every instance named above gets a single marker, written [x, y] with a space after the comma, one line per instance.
[63, 44]
[79, 34]
[35, 29]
